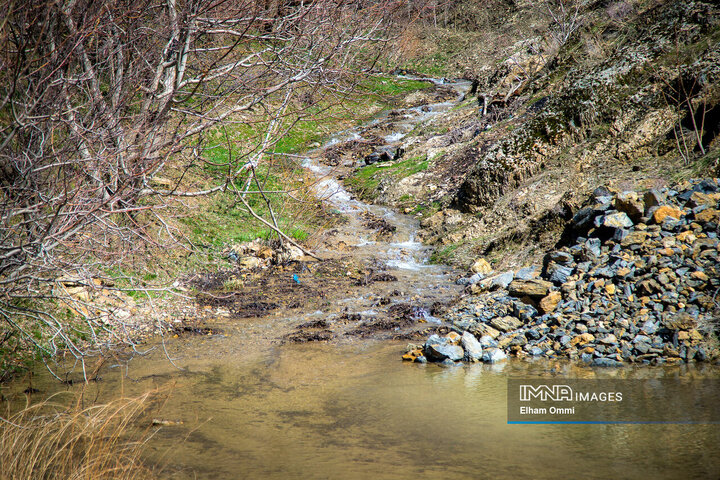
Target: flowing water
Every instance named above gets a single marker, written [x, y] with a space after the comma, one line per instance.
[245, 406]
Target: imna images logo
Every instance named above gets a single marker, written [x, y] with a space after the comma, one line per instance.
[556, 393]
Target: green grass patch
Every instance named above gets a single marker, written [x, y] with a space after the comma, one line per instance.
[365, 181]
[444, 255]
[392, 86]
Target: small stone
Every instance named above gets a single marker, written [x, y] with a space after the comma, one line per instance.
[686, 236]
[666, 211]
[563, 258]
[486, 341]
[629, 203]
[502, 280]
[493, 355]
[453, 337]
[550, 302]
[610, 339]
[681, 321]
[634, 238]
[653, 198]
[698, 275]
[531, 288]
[610, 289]
[617, 220]
[482, 267]
[440, 352]
[559, 273]
[698, 198]
[506, 324]
[606, 362]
[412, 355]
[582, 339]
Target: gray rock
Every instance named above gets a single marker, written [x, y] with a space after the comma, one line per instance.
[503, 280]
[475, 278]
[527, 273]
[653, 198]
[617, 220]
[536, 351]
[609, 340]
[606, 362]
[473, 348]
[594, 246]
[493, 355]
[649, 327]
[440, 352]
[486, 341]
[563, 258]
[559, 273]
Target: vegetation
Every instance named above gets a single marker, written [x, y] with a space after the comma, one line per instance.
[50, 440]
[119, 118]
[366, 180]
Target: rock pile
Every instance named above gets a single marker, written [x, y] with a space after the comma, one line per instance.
[637, 281]
[256, 254]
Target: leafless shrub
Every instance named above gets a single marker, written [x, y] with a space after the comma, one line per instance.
[107, 107]
[564, 18]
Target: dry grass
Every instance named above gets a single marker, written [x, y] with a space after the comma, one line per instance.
[53, 441]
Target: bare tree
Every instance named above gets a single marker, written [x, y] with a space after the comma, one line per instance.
[102, 101]
[563, 16]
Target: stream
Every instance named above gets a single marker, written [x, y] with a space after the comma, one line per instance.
[244, 405]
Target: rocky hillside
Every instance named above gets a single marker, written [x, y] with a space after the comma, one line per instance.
[630, 100]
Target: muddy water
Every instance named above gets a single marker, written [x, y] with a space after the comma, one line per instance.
[355, 411]
[242, 405]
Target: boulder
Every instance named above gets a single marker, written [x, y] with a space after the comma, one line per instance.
[493, 355]
[473, 348]
[438, 349]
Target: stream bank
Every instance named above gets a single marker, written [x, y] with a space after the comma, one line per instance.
[295, 374]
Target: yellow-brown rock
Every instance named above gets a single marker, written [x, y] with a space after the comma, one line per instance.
[666, 211]
[550, 302]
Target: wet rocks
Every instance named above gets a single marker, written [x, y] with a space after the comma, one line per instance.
[384, 154]
[439, 348]
[472, 347]
[635, 282]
